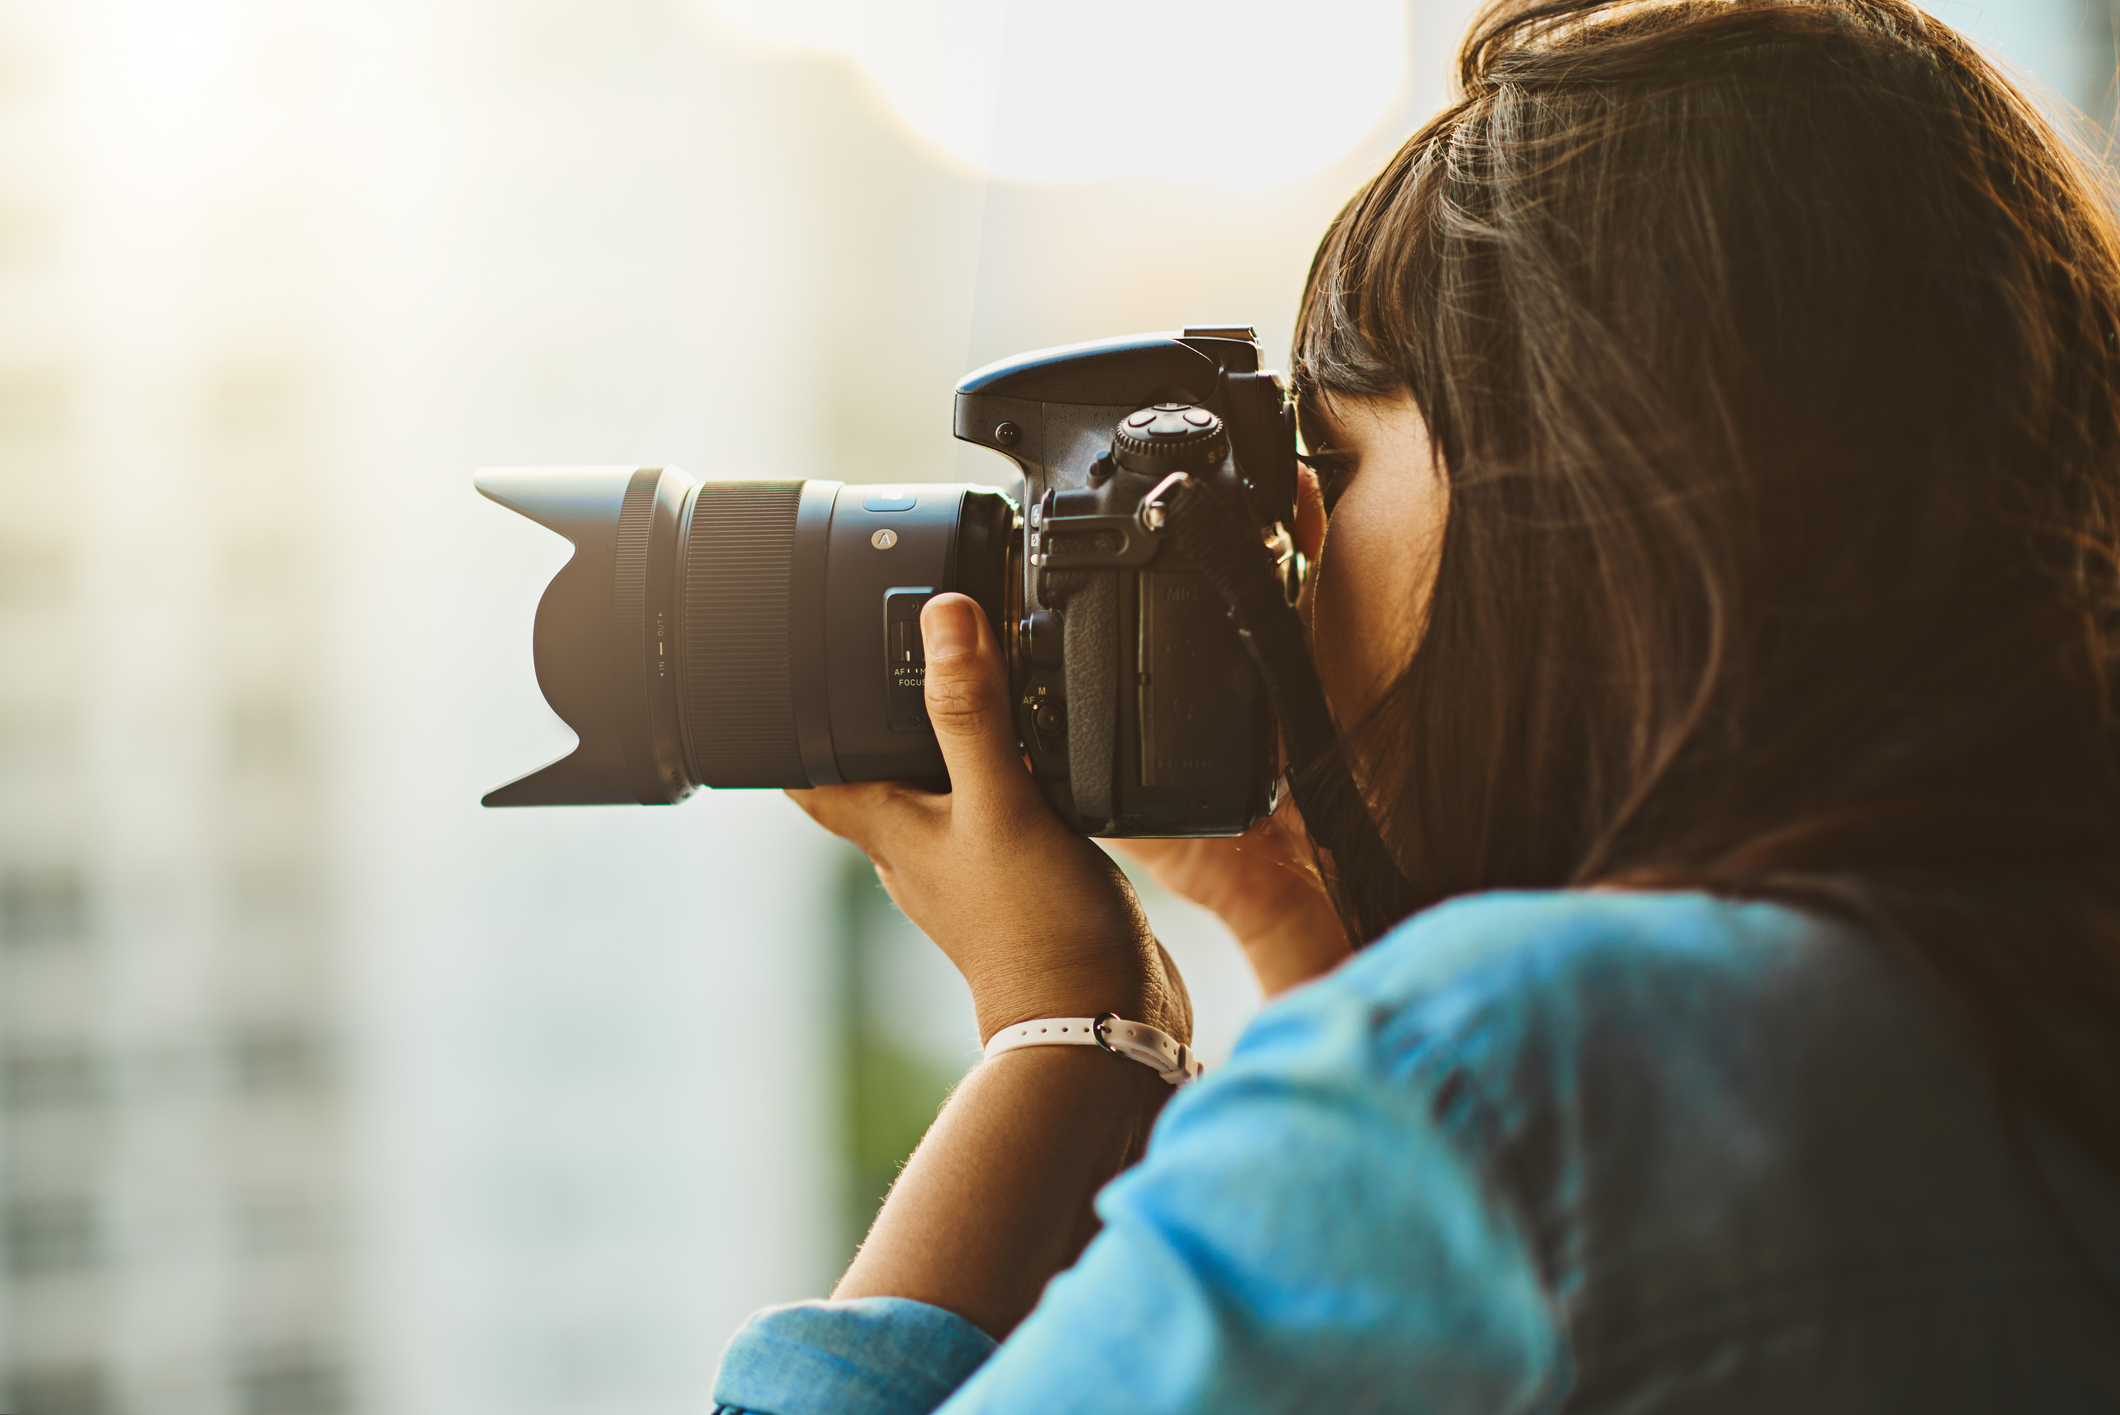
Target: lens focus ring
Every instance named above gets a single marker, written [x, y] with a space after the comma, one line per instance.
[739, 703]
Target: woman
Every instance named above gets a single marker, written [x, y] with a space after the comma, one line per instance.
[1717, 413]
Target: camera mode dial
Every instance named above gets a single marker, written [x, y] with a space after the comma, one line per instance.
[1170, 437]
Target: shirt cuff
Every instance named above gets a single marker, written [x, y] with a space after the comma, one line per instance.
[870, 1356]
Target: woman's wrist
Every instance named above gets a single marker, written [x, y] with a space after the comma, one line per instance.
[1136, 992]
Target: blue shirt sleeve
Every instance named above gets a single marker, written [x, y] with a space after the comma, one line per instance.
[1659, 1147]
[1311, 1229]
[871, 1356]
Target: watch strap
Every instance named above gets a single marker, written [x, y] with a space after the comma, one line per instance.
[1159, 1051]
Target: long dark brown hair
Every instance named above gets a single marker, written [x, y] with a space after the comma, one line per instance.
[1770, 349]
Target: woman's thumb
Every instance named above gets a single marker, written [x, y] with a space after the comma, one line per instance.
[967, 700]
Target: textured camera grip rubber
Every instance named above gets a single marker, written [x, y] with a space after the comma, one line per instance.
[739, 698]
[1159, 1051]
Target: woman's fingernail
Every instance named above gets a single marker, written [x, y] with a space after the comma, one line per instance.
[948, 628]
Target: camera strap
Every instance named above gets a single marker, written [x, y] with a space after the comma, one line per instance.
[1230, 556]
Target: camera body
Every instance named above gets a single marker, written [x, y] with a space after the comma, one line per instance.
[1138, 706]
[766, 633]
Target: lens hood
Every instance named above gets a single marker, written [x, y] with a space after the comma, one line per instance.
[742, 633]
[593, 637]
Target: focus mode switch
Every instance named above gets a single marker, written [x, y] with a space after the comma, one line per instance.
[905, 658]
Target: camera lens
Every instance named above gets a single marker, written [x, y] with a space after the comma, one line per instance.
[743, 634]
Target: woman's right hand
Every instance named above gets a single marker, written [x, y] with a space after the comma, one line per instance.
[1040, 922]
[1262, 887]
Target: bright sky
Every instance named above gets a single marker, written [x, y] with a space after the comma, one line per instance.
[1243, 91]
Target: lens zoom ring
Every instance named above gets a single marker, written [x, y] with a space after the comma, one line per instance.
[739, 705]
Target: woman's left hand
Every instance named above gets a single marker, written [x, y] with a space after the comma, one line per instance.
[1038, 919]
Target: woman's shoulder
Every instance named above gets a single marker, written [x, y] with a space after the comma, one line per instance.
[1663, 1066]
[1609, 944]
[1633, 1019]
[1708, 1117]
[1502, 971]
[1610, 1142]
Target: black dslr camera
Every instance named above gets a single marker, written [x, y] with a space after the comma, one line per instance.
[766, 633]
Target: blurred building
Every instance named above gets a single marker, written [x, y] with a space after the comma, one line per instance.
[171, 1024]
[321, 1090]
[171, 1039]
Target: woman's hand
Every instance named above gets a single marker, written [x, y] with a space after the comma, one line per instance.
[1042, 924]
[1039, 920]
[1262, 887]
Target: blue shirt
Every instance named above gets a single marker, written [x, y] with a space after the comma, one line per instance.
[1592, 1151]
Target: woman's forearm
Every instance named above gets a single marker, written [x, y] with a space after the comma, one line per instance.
[997, 1198]
[1042, 924]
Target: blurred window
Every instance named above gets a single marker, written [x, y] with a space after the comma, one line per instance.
[261, 570]
[269, 1224]
[277, 1058]
[34, 574]
[43, 906]
[257, 400]
[72, 1389]
[38, 736]
[264, 734]
[36, 405]
[29, 238]
[51, 1234]
[273, 896]
[50, 1075]
[291, 1383]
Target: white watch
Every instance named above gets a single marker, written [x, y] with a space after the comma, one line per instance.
[1160, 1052]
